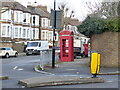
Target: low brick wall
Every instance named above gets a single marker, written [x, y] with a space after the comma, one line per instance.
[107, 45]
[17, 46]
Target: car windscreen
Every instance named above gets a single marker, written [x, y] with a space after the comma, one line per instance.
[32, 44]
[2, 48]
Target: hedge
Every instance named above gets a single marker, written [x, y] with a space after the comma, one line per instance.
[92, 25]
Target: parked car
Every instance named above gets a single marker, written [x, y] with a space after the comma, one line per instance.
[7, 52]
[77, 51]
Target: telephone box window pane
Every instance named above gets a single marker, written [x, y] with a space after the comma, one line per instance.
[65, 47]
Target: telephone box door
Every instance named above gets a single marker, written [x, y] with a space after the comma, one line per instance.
[66, 46]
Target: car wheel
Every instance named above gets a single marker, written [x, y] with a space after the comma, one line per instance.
[16, 54]
[27, 54]
[7, 55]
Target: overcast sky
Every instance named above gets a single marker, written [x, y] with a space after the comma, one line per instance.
[78, 6]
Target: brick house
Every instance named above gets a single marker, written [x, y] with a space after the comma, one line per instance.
[17, 25]
[47, 32]
[71, 24]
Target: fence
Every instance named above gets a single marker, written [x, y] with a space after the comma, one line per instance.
[46, 57]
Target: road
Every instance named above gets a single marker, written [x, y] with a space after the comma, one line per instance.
[19, 68]
[22, 68]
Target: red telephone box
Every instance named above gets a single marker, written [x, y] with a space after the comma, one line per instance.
[66, 46]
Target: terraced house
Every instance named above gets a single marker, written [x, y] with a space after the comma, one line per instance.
[46, 30]
[19, 24]
[71, 24]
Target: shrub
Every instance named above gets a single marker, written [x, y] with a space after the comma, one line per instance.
[92, 25]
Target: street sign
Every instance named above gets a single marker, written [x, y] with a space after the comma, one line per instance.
[59, 19]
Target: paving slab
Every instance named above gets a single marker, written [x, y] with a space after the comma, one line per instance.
[57, 80]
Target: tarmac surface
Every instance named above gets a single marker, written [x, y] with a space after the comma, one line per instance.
[66, 73]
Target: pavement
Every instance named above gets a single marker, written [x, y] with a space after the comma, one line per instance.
[58, 80]
[67, 73]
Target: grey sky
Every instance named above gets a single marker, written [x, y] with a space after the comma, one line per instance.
[78, 6]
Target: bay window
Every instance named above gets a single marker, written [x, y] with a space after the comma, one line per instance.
[8, 31]
[16, 32]
[24, 33]
[3, 30]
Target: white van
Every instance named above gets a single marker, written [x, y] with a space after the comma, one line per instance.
[34, 47]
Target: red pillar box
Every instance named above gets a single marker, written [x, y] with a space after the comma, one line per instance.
[66, 46]
[85, 49]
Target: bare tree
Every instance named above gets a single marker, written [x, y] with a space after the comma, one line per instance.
[102, 9]
[67, 14]
[118, 9]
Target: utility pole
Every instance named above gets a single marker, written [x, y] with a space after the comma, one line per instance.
[53, 49]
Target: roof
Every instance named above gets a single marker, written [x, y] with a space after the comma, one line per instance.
[38, 10]
[66, 32]
[47, 14]
[15, 6]
[35, 10]
[7, 0]
[73, 22]
[44, 8]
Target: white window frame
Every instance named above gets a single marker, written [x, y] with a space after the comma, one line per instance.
[37, 20]
[24, 33]
[33, 33]
[36, 33]
[43, 22]
[46, 36]
[47, 22]
[21, 17]
[24, 17]
[3, 29]
[7, 32]
[20, 32]
[17, 16]
[43, 35]
[50, 35]
[6, 15]
[16, 32]
[28, 33]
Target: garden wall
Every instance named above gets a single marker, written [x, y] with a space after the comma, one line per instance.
[108, 45]
[16, 46]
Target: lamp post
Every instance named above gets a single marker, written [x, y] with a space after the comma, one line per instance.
[53, 49]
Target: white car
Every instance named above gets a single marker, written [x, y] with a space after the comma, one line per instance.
[7, 52]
